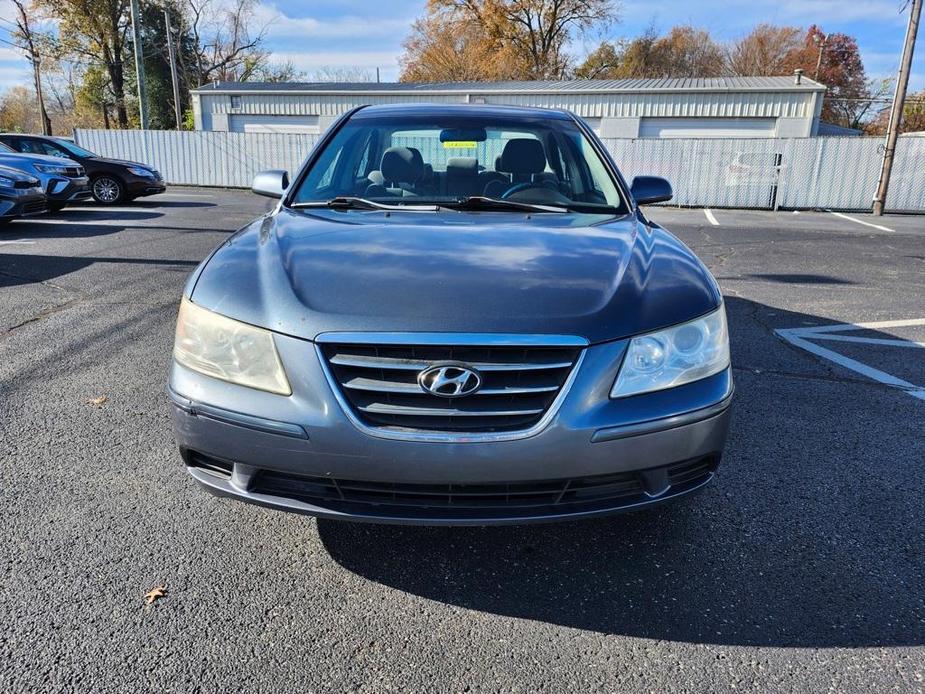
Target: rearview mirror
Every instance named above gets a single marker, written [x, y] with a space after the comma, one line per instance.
[463, 135]
[271, 183]
[648, 189]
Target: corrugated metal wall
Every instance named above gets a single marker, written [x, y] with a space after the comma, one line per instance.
[696, 104]
[824, 172]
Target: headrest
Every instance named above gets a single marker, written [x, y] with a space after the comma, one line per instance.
[462, 166]
[498, 163]
[400, 164]
[418, 159]
[523, 156]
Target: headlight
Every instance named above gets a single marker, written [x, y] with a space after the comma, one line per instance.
[673, 356]
[51, 169]
[228, 349]
[6, 182]
[141, 172]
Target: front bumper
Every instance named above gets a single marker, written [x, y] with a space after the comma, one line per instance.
[22, 202]
[596, 456]
[140, 186]
[60, 189]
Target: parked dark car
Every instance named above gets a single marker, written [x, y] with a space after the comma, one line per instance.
[111, 180]
[454, 315]
[21, 195]
[63, 180]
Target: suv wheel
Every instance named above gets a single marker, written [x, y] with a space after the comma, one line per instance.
[107, 190]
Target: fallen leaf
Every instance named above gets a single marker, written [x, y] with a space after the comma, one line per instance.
[97, 401]
[155, 593]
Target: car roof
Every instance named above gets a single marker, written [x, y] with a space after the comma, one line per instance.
[38, 137]
[483, 110]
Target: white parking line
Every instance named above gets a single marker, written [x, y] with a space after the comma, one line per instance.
[867, 340]
[860, 221]
[800, 337]
[710, 218]
[186, 195]
[15, 241]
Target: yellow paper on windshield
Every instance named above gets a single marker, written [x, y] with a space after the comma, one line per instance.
[459, 145]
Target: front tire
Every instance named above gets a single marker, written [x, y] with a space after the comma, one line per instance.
[107, 190]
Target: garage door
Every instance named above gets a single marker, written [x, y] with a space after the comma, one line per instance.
[248, 123]
[707, 127]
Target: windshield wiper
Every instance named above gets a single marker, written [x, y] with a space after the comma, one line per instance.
[595, 208]
[351, 202]
[480, 202]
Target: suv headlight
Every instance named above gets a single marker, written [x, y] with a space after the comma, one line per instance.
[51, 169]
[674, 356]
[228, 349]
[141, 172]
[6, 182]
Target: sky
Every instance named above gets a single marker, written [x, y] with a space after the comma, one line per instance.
[369, 33]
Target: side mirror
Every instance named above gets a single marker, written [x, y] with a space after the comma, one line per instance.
[271, 183]
[648, 189]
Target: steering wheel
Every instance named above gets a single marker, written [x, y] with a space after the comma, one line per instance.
[517, 187]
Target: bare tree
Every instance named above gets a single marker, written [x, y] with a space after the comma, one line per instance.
[226, 46]
[766, 50]
[29, 42]
[346, 73]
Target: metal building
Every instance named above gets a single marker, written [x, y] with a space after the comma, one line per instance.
[632, 108]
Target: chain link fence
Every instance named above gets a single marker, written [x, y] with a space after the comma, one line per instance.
[837, 173]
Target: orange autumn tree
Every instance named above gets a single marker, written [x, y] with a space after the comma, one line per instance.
[499, 39]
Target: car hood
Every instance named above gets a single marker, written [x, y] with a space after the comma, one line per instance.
[308, 272]
[17, 175]
[122, 162]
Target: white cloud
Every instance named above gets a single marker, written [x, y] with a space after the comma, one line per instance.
[8, 54]
[308, 61]
[343, 27]
[12, 76]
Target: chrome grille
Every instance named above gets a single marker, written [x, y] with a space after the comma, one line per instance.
[379, 382]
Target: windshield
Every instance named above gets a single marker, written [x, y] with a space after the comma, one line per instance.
[418, 160]
[74, 149]
[6, 148]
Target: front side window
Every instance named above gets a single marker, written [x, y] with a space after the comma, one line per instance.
[412, 159]
[74, 149]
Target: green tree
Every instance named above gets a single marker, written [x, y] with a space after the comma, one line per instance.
[95, 31]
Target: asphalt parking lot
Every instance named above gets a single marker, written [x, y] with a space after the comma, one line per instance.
[800, 568]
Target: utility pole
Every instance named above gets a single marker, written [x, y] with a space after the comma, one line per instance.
[37, 76]
[139, 66]
[173, 70]
[896, 112]
[821, 42]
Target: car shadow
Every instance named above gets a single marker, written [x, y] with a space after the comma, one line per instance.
[143, 203]
[795, 278]
[80, 225]
[25, 268]
[811, 536]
